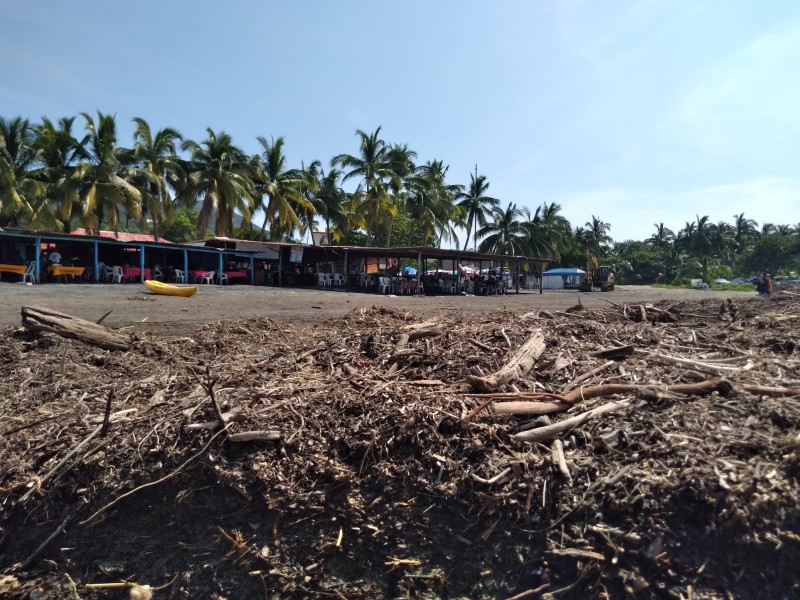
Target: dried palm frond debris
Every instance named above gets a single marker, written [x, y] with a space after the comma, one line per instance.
[650, 450]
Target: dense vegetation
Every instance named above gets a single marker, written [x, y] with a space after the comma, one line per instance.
[53, 176]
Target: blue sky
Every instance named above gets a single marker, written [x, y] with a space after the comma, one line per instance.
[637, 112]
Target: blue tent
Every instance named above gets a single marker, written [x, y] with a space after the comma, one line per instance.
[409, 270]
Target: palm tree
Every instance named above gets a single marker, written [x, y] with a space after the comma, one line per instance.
[371, 167]
[219, 175]
[597, 238]
[476, 205]
[662, 238]
[700, 242]
[284, 188]
[20, 193]
[330, 202]
[431, 201]
[745, 231]
[162, 167]
[59, 153]
[105, 175]
[767, 228]
[549, 233]
[400, 160]
[505, 234]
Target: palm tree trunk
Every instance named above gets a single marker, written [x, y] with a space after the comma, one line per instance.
[205, 215]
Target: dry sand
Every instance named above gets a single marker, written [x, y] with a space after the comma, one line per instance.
[133, 306]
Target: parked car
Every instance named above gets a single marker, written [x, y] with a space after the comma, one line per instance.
[721, 281]
[741, 280]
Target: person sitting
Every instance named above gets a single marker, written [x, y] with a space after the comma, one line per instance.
[491, 284]
[55, 258]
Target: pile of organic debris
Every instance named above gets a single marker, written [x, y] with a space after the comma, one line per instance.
[649, 451]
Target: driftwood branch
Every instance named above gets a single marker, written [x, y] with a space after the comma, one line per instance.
[37, 318]
[520, 363]
[549, 431]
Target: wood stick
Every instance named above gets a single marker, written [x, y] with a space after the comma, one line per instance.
[520, 363]
[28, 561]
[252, 436]
[549, 431]
[560, 460]
[528, 408]
[567, 387]
[37, 318]
[401, 344]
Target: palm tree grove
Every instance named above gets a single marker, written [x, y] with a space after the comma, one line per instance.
[77, 172]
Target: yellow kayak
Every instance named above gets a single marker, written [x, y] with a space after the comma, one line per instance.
[167, 289]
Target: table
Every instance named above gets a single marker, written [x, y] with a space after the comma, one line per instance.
[59, 271]
[133, 272]
[195, 275]
[18, 269]
[237, 274]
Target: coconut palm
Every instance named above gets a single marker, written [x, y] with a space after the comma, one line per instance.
[371, 167]
[431, 201]
[219, 174]
[597, 239]
[549, 233]
[105, 176]
[284, 189]
[505, 234]
[160, 164]
[59, 153]
[476, 205]
[400, 160]
[20, 193]
[662, 238]
[700, 242]
[330, 202]
[746, 230]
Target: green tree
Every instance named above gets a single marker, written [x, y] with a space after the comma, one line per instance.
[400, 161]
[105, 175]
[371, 166]
[549, 233]
[161, 168]
[181, 226]
[59, 153]
[476, 205]
[662, 238]
[745, 231]
[284, 189]
[219, 175]
[596, 238]
[431, 201]
[20, 193]
[505, 234]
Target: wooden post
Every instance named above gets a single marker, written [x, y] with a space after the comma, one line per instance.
[346, 270]
[518, 276]
[419, 272]
[96, 262]
[280, 265]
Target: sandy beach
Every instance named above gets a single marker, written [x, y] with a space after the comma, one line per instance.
[133, 306]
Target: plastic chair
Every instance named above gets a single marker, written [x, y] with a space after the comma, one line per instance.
[179, 276]
[30, 274]
[338, 280]
[222, 279]
[117, 275]
[158, 274]
[323, 280]
[385, 285]
[208, 278]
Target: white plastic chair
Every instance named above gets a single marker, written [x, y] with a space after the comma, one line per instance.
[117, 275]
[223, 278]
[323, 280]
[107, 274]
[338, 279]
[158, 274]
[208, 278]
[29, 274]
[179, 276]
[385, 285]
